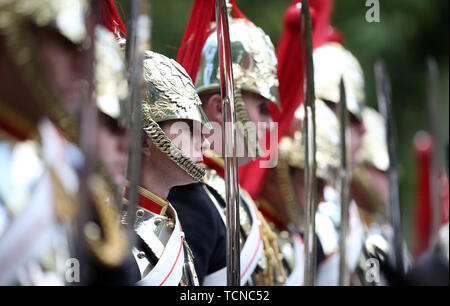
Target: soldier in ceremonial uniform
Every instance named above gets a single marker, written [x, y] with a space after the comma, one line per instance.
[41, 65]
[283, 190]
[171, 106]
[331, 63]
[256, 84]
[112, 145]
[43, 62]
[111, 93]
[369, 159]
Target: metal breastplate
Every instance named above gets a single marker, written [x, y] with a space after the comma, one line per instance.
[375, 252]
[31, 226]
[286, 247]
[215, 188]
[443, 240]
[152, 234]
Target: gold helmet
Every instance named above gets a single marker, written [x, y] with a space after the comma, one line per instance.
[66, 17]
[331, 63]
[374, 150]
[254, 68]
[111, 86]
[170, 95]
[292, 150]
[16, 18]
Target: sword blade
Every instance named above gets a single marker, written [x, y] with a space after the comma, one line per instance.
[309, 130]
[344, 185]
[88, 128]
[136, 45]
[436, 161]
[385, 106]
[229, 136]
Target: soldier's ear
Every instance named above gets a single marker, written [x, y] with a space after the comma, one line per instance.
[146, 146]
[213, 108]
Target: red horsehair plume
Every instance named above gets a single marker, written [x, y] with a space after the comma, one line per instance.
[109, 18]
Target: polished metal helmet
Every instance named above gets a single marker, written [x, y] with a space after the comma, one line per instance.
[374, 150]
[170, 95]
[67, 17]
[254, 68]
[331, 63]
[292, 149]
[16, 20]
[111, 86]
[253, 60]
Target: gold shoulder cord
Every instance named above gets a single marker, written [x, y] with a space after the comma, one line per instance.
[270, 248]
[65, 204]
[110, 250]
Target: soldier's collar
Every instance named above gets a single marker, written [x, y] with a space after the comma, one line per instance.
[16, 125]
[149, 201]
[212, 161]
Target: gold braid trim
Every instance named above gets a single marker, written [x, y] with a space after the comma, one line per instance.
[110, 250]
[165, 145]
[288, 195]
[250, 139]
[271, 251]
[65, 204]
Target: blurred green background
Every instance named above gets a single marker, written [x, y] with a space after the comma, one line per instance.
[408, 32]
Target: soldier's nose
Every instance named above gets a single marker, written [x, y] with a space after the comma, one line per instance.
[205, 145]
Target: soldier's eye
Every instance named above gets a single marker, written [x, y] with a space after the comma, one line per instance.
[191, 126]
[264, 108]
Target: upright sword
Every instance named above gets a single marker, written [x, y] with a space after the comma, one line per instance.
[436, 160]
[229, 136]
[309, 130]
[138, 42]
[383, 88]
[344, 186]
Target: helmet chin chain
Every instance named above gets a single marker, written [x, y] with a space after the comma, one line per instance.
[288, 193]
[165, 145]
[246, 127]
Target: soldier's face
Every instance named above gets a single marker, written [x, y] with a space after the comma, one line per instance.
[259, 115]
[371, 191]
[258, 110]
[112, 147]
[187, 136]
[357, 130]
[298, 181]
[63, 65]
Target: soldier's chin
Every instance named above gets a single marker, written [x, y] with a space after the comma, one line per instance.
[119, 179]
[244, 156]
[242, 161]
[184, 178]
[69, 96]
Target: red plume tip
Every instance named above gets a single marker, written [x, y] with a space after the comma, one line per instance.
[109, 17]
[292, 18]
